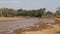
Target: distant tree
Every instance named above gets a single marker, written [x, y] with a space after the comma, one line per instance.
[57, 13]
[49, 13]
[20, 12]
[11, 12]
[40, 11]
[5, 12]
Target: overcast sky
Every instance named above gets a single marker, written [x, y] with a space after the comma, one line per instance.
[30, 4]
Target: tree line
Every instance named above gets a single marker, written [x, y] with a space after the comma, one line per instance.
[5, 12]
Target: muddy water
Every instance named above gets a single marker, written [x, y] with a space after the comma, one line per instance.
[9, 26]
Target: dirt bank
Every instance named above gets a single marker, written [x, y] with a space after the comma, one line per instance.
[54, 30]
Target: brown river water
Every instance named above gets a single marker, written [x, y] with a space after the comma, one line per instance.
[9, 26]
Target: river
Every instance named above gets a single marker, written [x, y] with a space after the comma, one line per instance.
[8, 26]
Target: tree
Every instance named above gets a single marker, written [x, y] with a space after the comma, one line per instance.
[57, 13]
[5, 11]
[40, 12]
[49, 14]
[20, 12]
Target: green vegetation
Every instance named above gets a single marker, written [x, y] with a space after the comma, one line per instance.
[5, 12]
[20, 12]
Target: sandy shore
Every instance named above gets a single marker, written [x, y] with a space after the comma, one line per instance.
[57, 18]
[10, 18]
[54, 30]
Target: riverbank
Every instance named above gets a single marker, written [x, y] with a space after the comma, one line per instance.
[57, 18]
[10, 18]
[54, 30]
[56, 27]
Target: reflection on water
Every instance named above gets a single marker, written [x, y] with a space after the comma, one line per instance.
[8, 26]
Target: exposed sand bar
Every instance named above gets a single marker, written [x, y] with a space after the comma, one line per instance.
[10, 18]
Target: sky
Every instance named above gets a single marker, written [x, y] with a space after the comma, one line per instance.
[50, 5]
